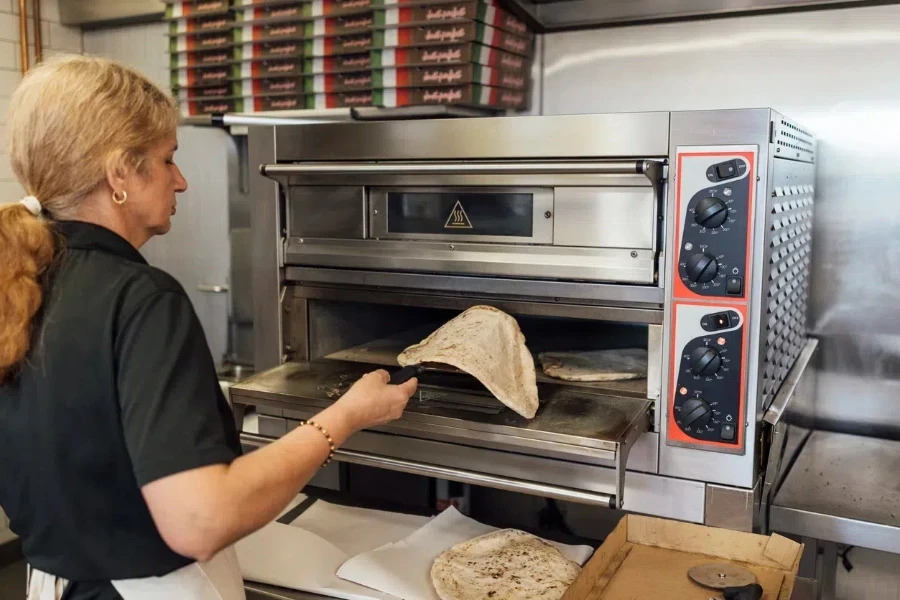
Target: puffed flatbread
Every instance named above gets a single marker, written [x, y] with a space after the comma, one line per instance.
[600, 365]
[504, 565]
[486, 343]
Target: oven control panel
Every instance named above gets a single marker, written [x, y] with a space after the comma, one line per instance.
[714, 200]
[714, 208]
[707, 403]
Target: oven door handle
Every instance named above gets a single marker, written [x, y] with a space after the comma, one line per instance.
[451, 474]
[649, 168]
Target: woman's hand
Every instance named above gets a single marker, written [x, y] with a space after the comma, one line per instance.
[373, 401]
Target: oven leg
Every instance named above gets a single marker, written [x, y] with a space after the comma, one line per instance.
[826, 570]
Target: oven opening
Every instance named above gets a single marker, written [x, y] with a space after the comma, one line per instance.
[374, 335]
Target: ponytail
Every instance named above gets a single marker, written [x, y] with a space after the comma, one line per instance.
[27, 248]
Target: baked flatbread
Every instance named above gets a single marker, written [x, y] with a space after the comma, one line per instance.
[504, 565]
[486, 343]
[600, 365]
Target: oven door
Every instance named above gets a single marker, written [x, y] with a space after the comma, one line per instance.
[564, 221]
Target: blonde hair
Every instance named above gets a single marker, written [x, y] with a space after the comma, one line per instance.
[70, 120]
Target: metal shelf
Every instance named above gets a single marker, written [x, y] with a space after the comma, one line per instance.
[559, 15]
[843, 489]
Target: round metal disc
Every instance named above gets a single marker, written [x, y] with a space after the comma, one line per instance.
[721, 575]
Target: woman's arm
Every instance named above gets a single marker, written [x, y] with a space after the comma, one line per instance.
[201, 511]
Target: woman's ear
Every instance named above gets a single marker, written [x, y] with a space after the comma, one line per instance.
[117, 172]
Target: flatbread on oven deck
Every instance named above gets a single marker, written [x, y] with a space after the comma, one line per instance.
[503, 565]
[486, 343]
[600, 365]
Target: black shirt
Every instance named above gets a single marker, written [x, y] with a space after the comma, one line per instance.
[119, 390]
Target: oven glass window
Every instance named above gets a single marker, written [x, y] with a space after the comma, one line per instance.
[461, 213]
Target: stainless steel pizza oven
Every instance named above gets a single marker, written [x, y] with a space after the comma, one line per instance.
[687, 234]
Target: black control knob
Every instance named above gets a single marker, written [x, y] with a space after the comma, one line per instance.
[711, 212]
[702, 268]
[705, 361]
[695, 413]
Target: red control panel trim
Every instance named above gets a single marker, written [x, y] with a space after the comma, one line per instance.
[682, 295]
[682, 291]
[674, 432]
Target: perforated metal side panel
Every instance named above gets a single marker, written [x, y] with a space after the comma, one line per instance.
[792, 141]
[789, 249]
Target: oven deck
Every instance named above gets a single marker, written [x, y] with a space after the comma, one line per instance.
[571, 421]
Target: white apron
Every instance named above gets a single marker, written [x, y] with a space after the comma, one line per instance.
[218, 579]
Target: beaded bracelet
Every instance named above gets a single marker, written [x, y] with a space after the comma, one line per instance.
[324, 432]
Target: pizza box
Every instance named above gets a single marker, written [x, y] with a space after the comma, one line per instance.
[186, 60]
[338, 82]
[339, 45]
[202, 24]
[305, 11]
[481, 96]
[345, 63]
[455, 33]
[335, 30]
[203, 41]
[646, 557]
[328, 7]
[450, 54]
[201, 77]
[207, 107]
[264, 69]
[218, 92]
[190, 9]
[451, 12]
[269, 50]
[449, 75]
[318, 26]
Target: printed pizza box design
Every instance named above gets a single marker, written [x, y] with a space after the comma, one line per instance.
[338, 82]
[284, 12]
[269, 87]
[450, 54]
[269, 50]
[184, 60]
[453, 34]
[190, 9]
[267, 69]
[209, 107]
[268, 32]
[340, 100]
[335, 8]
[206, 24]
[204, 93]
[343, 44]
[339, 25]
[202, 77]
[464, 95]
[344, 63]
[306, 10]
[449, 75]
[208, 41]
[462, 10]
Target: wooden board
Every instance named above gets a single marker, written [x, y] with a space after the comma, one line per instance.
[661, 574]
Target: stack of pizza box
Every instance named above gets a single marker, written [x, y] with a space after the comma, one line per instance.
[201, 55]
[314, 54]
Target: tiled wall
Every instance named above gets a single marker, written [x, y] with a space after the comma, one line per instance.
[55, 39]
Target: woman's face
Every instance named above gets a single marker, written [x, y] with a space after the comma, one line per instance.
[151, 197]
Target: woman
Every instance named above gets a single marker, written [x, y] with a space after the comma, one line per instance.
[120, 466]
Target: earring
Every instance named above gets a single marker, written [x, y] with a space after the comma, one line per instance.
[120, 199]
